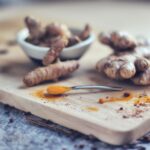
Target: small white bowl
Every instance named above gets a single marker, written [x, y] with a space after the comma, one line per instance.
[37, 52]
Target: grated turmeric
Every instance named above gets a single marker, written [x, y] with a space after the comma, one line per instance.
[57, 90]
[117, 99]
[142, 100]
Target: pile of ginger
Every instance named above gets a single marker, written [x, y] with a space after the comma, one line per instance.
[56, 37]
[130, 60]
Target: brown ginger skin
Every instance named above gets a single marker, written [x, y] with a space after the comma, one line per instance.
[85, 33]
[54, 51]
[54, 30]
[142, 78]
[51, 72]
[118, 41]
[34, 28]
[73, 40]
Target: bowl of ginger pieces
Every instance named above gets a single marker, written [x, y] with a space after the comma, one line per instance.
[37, 40]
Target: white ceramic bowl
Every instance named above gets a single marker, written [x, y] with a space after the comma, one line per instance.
[37, 52]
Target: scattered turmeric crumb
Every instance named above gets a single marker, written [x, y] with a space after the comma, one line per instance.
[139, 99]
[142, 100]
[126, 94]
[101, 100]
[43, 95]
[126, 97]
[92, 108]
[57, 90]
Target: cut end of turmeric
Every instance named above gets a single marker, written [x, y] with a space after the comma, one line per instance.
[57, 90]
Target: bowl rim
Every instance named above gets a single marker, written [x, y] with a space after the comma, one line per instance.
[23, 34]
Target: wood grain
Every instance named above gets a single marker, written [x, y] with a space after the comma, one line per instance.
[71, 111]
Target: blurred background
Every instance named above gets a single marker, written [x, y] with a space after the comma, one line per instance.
[130, 15]
[19, 2]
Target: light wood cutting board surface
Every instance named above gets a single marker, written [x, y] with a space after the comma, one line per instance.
[73, 110]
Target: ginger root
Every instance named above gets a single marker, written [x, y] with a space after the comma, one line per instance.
[51, 72]
[128, 61]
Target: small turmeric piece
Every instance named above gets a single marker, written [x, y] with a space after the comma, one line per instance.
[57, 90]
[55, 29]
[54, 51]
[34, 28]
[85, 33]
[73, 40]
[50, 72]
[118, 41]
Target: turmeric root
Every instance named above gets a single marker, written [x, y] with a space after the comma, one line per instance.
[54, 29]
[34, 28]
[124, 65]
[132, 64]
[85, 33]
[51, 72]
[118, 41]
[45, 36]
[142, 78]
[56, 37]
[54, 51]
[73, 40]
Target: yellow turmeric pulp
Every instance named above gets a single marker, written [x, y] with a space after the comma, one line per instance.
[57, 90]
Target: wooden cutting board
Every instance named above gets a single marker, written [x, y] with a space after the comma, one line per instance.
[78, 110]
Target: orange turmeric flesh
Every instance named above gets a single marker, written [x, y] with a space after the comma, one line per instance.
[57, 90]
